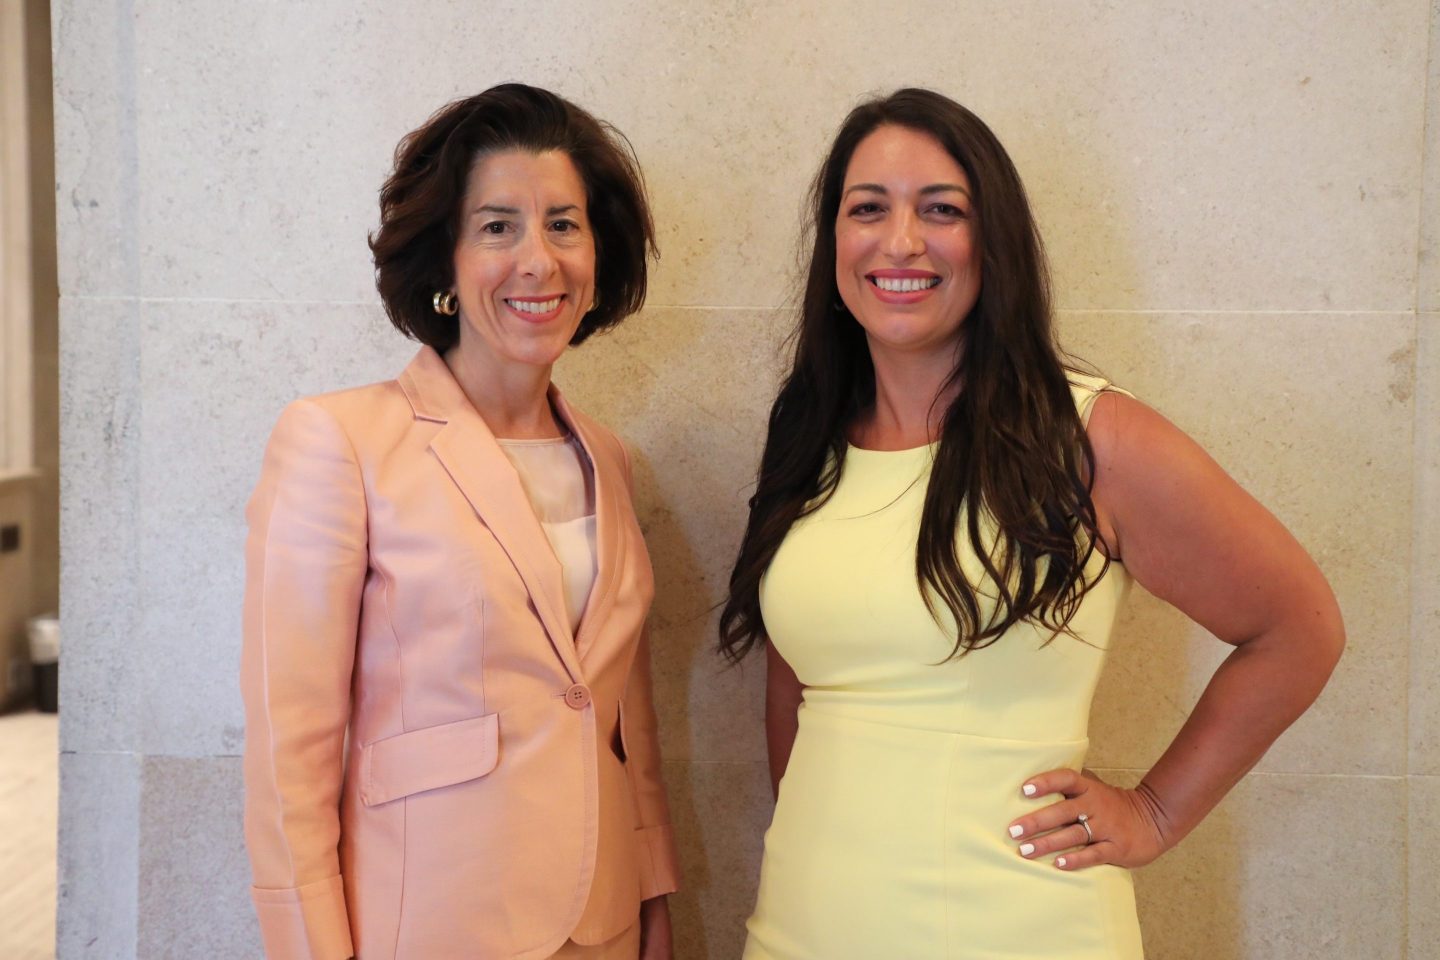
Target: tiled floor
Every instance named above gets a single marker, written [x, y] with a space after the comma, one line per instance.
[29, 792]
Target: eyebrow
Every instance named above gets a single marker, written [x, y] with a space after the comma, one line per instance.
[924, 191]
[515, 211]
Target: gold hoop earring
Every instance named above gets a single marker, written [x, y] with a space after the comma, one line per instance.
[445, 303]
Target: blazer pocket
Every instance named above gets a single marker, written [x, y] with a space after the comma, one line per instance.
[620, 722]
[429, 758]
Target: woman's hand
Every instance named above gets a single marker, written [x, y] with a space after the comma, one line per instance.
[1127, 825]
[655, 940]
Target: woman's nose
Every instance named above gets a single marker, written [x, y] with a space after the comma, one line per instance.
[902, 239]
[536, 259]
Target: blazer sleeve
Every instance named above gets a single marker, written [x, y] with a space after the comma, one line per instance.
[659, 865]
[305, 564]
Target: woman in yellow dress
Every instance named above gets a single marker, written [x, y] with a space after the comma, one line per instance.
[946, 521]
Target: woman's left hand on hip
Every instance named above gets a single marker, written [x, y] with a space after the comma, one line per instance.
[1124, 825]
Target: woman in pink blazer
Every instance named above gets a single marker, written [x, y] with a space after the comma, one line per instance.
[450, 748]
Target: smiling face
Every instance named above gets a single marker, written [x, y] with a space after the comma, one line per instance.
[907, 242]
[524, 258]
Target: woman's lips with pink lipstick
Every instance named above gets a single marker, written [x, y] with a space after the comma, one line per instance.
[902, 286]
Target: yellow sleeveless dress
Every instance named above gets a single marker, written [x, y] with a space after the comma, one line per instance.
[889, 836]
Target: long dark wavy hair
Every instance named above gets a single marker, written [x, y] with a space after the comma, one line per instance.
[1012, 447]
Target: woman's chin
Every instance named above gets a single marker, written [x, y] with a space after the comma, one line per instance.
[912, 338]
[539, 355]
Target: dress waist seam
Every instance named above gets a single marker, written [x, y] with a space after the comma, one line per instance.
[900, 728]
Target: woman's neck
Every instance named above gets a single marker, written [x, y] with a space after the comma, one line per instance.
[912, 396]
[512, 398]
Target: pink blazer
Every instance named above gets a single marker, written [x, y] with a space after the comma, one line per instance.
[434, 766]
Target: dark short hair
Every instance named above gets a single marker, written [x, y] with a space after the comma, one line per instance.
[420, 204]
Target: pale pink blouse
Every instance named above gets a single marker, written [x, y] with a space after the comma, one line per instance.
[560, 484]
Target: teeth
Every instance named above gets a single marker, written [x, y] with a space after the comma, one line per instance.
[535, 306]
[906, 285]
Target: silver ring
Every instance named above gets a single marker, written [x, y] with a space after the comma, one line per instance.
[1084, 821]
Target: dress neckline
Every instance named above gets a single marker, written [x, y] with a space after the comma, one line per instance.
[850, 448]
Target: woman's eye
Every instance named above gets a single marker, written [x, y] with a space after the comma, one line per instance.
[565, 226]
[947, 210]
[864, 209]
[495, 227]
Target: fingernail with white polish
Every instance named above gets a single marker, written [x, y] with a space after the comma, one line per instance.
[1060, 862]
[1016, 830]
[1026, 849]
[1028, 789]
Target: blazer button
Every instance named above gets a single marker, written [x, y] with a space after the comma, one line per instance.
[578, 696]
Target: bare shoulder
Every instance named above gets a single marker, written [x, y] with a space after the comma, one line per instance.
[1186, 530]
[1142, 460]
[1145, 464]
[1128, 435]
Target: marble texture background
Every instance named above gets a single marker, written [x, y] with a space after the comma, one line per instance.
[1242, 205]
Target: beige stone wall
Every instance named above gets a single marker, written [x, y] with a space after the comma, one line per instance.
[1241, 205]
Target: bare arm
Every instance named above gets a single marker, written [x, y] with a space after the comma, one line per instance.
[783, 694]
[1190, 535]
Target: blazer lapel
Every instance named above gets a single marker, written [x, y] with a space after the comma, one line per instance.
[611, 496]
[468, 451]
